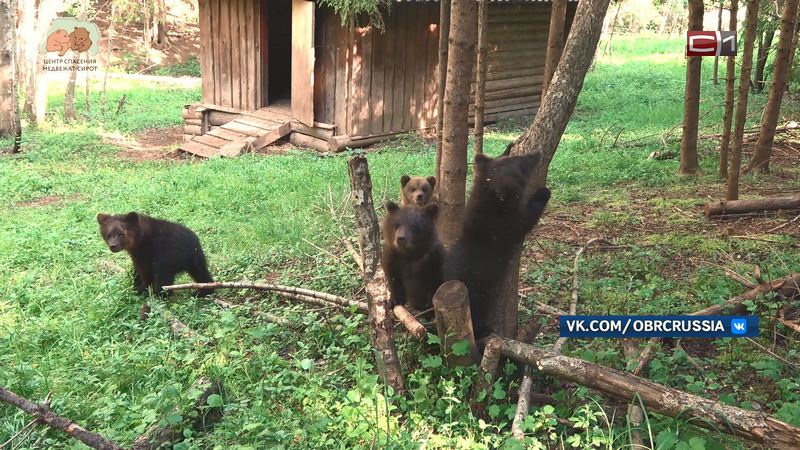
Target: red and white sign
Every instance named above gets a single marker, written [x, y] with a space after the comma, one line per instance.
[710, 43]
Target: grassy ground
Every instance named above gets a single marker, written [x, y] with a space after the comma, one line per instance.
[69, 318]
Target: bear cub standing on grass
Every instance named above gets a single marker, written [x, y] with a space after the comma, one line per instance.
[160, 250]
[496, 220]
[412, 255]
[416, 190]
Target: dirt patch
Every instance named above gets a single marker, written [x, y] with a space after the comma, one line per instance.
[148, 145]
[279, 147]
[46, 200]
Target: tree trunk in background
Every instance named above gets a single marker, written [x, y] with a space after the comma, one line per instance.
[716, 58]
[730, 80]
[751, 22]
[480, 84]
[555, 41]
[769, 121]
[691, 110]
[158, 30]
[9, 95]
[444, 34]
[455, 128]
[69, 96]
[763, 55]
[36, 21]
[109, 54]
[607, 50]
[544, 133]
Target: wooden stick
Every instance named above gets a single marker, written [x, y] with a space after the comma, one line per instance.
[774, 229]
[404, 316]
[523, 404]
[330, 298]
[752, 425]
[635, 415]
[24, 430]
[487, 374]
[46, 416]
[380, 317]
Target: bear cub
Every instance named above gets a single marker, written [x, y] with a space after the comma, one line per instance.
[412, 255]
[416, 190]
[496, 220]
[160, 250]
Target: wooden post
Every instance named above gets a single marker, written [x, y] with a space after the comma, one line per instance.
[480, 85]
[486, 376]
[380, 317]
[454, 322]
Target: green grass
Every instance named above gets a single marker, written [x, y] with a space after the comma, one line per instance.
[69, 318]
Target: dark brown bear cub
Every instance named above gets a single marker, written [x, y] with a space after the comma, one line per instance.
[412, 255]
[160, 250]
[497, 218]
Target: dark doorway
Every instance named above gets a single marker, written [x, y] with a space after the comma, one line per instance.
[279, 50]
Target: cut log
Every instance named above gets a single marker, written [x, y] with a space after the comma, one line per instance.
[724, 207]
[454, 322]
[304, 140]
[487, 374]
[756, 426]
[46, 416]
[369, 241]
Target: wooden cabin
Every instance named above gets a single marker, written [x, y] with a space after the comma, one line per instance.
[277, 67]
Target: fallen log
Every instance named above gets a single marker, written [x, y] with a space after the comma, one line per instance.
[369, 241]
[404, 316]
[752, 425]
[46, 416]
[205, 418]
[725, 207]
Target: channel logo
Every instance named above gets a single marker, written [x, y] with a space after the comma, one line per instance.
[739, 326]
[710, 43]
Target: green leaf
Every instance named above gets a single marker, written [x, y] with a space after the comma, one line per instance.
[307, 364]
[432, 362]
[461, 348]
[174, 419]
[434, 339]
[214, 400]
[493, 411]
[666, 440]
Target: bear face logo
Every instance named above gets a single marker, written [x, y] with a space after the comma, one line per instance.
[58, 41]
[79, 40]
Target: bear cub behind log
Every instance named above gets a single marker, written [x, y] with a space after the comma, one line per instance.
[160, 250]
[412, 255]
[416, 190]
[496, 220]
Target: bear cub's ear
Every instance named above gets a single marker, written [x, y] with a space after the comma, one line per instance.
[101, 218]
[431, 209]
[391, 206]
[132, 218]
[432, 181]
[404, 180]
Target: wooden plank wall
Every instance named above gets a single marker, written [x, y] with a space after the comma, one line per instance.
[371, 83]
[230, 53]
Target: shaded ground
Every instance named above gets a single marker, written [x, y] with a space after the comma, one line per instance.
[152, 144]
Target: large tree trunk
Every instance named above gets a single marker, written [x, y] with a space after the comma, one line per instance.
[769, 121]
[455, 128]
[544, 134]
[730, 78]
[444, 34]
[35, 79]
[158, 29]
[691, 109]
[69, 96]
[751, 22]
[555, 41]
[480, 84]
[765, 45]
[716, 58]
[9, 95]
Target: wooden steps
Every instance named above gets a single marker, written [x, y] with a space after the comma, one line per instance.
[248, 132]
